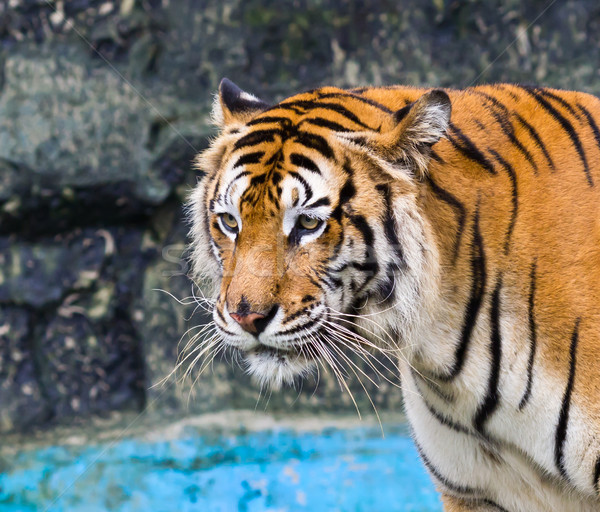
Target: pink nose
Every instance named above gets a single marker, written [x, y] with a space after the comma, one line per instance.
[248, 322]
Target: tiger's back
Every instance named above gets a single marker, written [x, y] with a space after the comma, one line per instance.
[495, 290]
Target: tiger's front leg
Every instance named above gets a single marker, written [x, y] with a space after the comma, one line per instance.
[452, 504]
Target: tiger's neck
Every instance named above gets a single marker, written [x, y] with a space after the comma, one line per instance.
[468, 275]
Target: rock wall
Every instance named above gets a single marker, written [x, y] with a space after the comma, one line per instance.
[102, 107]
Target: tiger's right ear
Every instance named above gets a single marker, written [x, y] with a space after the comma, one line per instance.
[233, 106]
[406, 137]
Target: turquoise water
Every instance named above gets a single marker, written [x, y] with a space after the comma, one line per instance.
[351, 470]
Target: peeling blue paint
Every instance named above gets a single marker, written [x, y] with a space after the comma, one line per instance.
[354, 470]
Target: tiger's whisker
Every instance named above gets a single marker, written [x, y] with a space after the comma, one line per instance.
[201, 371]
[365, 356]
[362, 385]
[331, 359]
[399, 352]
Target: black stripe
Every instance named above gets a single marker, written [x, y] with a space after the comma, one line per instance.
[563, 419]
[591, 122]
[514, 196]
[509, 131]
[293, 316]
[532, 336]
[307, 188]
[433, 386]
[363, 226]
[274, 159]
[225, 331]
[324, 201]
[478, 279]
[370, 265]
[536, 137]
[385, 289]
[597, 476]
[335, 107]
[316, 142]
[567, 126]
[216, 189]
[316, 282]
[332, 282]
[348, 191]
[494, 101]
[220, 315]
[390, 227]
[502, 118]
[338, 268]
[206, 224]
[326, 123]
[274, 199]
[249, 158]
[490, 402]
[399, 115]
[494, 504]
[259, 179]
[304, 162]
[231, 183]
[565, 104]
[276, 178]
[512, 94]
[461, 214]
[442, 418]
[256, 137]
[362, 99]
[347, 168]
[268, 119]
[298, 328]
[449, 484]
[346, 194]
[463, 144]
[436, 157]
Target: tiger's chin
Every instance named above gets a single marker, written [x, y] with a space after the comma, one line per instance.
[273, 368]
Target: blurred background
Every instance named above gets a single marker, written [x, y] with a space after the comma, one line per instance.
[103, 105]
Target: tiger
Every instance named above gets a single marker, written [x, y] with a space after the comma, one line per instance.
[459, 230]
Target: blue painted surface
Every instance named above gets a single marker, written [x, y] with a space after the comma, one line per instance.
[334, 470]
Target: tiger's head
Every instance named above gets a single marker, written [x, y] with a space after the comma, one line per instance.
[307, 224]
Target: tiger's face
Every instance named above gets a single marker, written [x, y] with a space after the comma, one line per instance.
[306, 215]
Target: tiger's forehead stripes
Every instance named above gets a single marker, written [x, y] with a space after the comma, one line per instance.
[256, 178]
[301, 124]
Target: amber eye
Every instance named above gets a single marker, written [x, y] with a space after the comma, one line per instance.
[229, 221]
[309, 223]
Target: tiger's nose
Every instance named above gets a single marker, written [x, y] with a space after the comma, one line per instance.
[252, 322]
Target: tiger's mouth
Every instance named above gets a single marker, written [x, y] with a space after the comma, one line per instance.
[274, 352]
[276, 366]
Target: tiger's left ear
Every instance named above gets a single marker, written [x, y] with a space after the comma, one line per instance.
[233, 106]
[406, 138]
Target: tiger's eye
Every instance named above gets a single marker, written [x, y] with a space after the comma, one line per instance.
[307, 222]
[229, 221]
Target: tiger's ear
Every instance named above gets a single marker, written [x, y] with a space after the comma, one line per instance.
[233, 106]
[406, 138]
